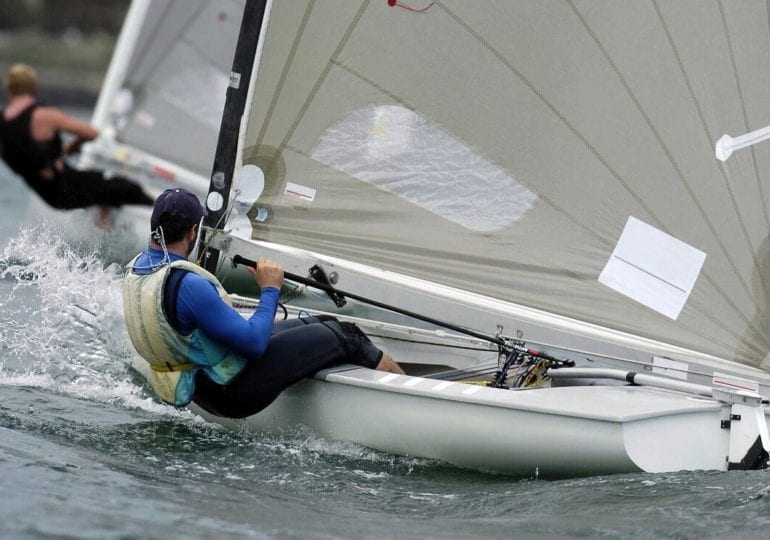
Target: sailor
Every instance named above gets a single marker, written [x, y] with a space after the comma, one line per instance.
[31, 145]
[200, 349]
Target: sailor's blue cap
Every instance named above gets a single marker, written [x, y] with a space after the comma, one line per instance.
[177, 208]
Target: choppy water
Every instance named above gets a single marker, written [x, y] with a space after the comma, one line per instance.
[85, 452]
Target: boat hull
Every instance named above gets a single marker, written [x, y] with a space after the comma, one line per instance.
[547, 433]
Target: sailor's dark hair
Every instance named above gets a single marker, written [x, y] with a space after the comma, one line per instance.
[173, 231]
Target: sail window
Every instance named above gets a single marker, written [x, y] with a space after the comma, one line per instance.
[653, 268]
[403, 153]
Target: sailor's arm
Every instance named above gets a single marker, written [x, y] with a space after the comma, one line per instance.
[200, 306]
[49, 120]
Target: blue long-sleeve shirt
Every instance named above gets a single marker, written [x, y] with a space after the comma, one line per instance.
[200, 307]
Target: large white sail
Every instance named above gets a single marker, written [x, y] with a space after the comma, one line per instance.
[161, 105]
[555, 154]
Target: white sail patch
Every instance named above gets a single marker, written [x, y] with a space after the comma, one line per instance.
[401, 152]
[653, 268]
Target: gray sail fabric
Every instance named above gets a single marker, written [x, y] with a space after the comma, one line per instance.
[177, 78]
[503, 147]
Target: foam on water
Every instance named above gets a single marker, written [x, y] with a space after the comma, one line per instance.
[61, 326]
[62, 331]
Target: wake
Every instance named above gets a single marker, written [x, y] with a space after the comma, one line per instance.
[61, 322]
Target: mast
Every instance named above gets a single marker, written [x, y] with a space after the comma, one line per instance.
[226, 155]
[116, 74]
[121, 58]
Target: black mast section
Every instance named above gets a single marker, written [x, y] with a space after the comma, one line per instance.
[235, 103]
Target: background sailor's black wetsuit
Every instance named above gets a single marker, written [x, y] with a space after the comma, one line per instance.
[69, 188]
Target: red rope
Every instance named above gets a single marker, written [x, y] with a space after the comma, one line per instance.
[396, 3]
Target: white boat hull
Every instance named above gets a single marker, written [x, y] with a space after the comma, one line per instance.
[551, 432]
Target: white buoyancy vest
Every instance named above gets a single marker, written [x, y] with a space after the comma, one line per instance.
[174, 359]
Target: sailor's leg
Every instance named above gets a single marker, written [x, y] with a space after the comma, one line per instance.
[80, 189]
[292, 354]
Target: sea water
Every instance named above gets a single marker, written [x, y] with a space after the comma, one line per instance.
[87, 452]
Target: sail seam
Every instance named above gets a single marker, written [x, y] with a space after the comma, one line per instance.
[321, 78]
[758, 334]
[617, 176]
[377, 87]
[739, 86]
[678, 171]
[284, 74]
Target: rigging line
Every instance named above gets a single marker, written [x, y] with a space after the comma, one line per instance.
[617, 176]
[237, 259]
[216, 229]
[316, 87]
[374, 333]
[696, 103]
[680, 174]
[746, 123]
[397, 3]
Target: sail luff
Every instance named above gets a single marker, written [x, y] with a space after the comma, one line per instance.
[238, 91]
[287, 66]
[144, 50]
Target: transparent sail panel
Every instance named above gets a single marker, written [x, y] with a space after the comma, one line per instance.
[399, 151]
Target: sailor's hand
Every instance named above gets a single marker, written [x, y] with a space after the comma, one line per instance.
[267, 273]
